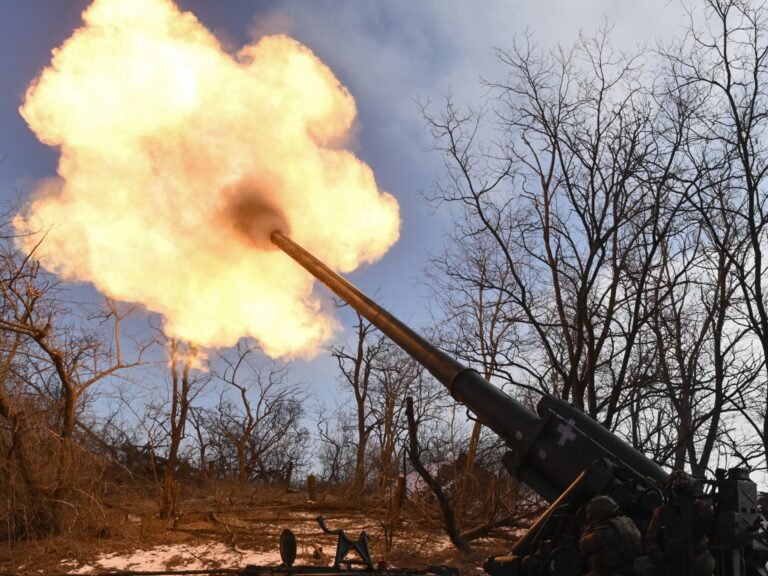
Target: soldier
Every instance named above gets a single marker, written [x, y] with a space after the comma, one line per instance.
[610, 540]
[676, 541]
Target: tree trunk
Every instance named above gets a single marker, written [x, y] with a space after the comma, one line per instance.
[449, 518]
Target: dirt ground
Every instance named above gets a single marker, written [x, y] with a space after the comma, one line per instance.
[230, 529]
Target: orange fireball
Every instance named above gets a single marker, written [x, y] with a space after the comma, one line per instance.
[177, 161]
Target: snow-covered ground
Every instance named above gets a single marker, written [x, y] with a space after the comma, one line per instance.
[175, 557]
[257, 543]
[200, 557]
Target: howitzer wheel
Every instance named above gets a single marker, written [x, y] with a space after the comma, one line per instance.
[564, 561]
[287, 547]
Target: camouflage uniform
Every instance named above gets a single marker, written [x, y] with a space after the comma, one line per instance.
[610, 540]
[676, 540]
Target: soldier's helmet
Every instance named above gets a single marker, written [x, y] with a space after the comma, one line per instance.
[601, 508]
[678, 484]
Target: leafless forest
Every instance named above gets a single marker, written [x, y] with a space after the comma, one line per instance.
[611, 212]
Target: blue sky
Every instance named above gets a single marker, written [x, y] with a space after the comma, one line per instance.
[388, 53]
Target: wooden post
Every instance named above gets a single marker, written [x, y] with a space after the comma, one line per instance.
[288, 475]
[400, 493]
[489, 505]
[398, 497]
[312, 487]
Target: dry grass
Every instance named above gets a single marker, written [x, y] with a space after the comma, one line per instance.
[246, 519]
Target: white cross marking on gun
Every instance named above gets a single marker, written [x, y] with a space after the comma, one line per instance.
[566, 433]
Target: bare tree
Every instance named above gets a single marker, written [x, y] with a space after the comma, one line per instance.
[567, 199]
[356, 366]
[720, 71]
[395, 374]
[53, 352]
[336, 450]
[68, 358]
[186, 382]
[573, 183]
[259, 417]
[200, 419]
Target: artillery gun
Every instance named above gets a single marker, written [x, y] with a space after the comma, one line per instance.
[566, 458]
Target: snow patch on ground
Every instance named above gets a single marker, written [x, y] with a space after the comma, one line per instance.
[176, 557]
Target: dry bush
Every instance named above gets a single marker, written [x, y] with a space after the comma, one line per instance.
[52, 485]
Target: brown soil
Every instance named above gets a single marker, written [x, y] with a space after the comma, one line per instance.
[253, 520]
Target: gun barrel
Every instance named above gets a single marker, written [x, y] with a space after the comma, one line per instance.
[439, 364]
[500, 412]
[549, 450]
